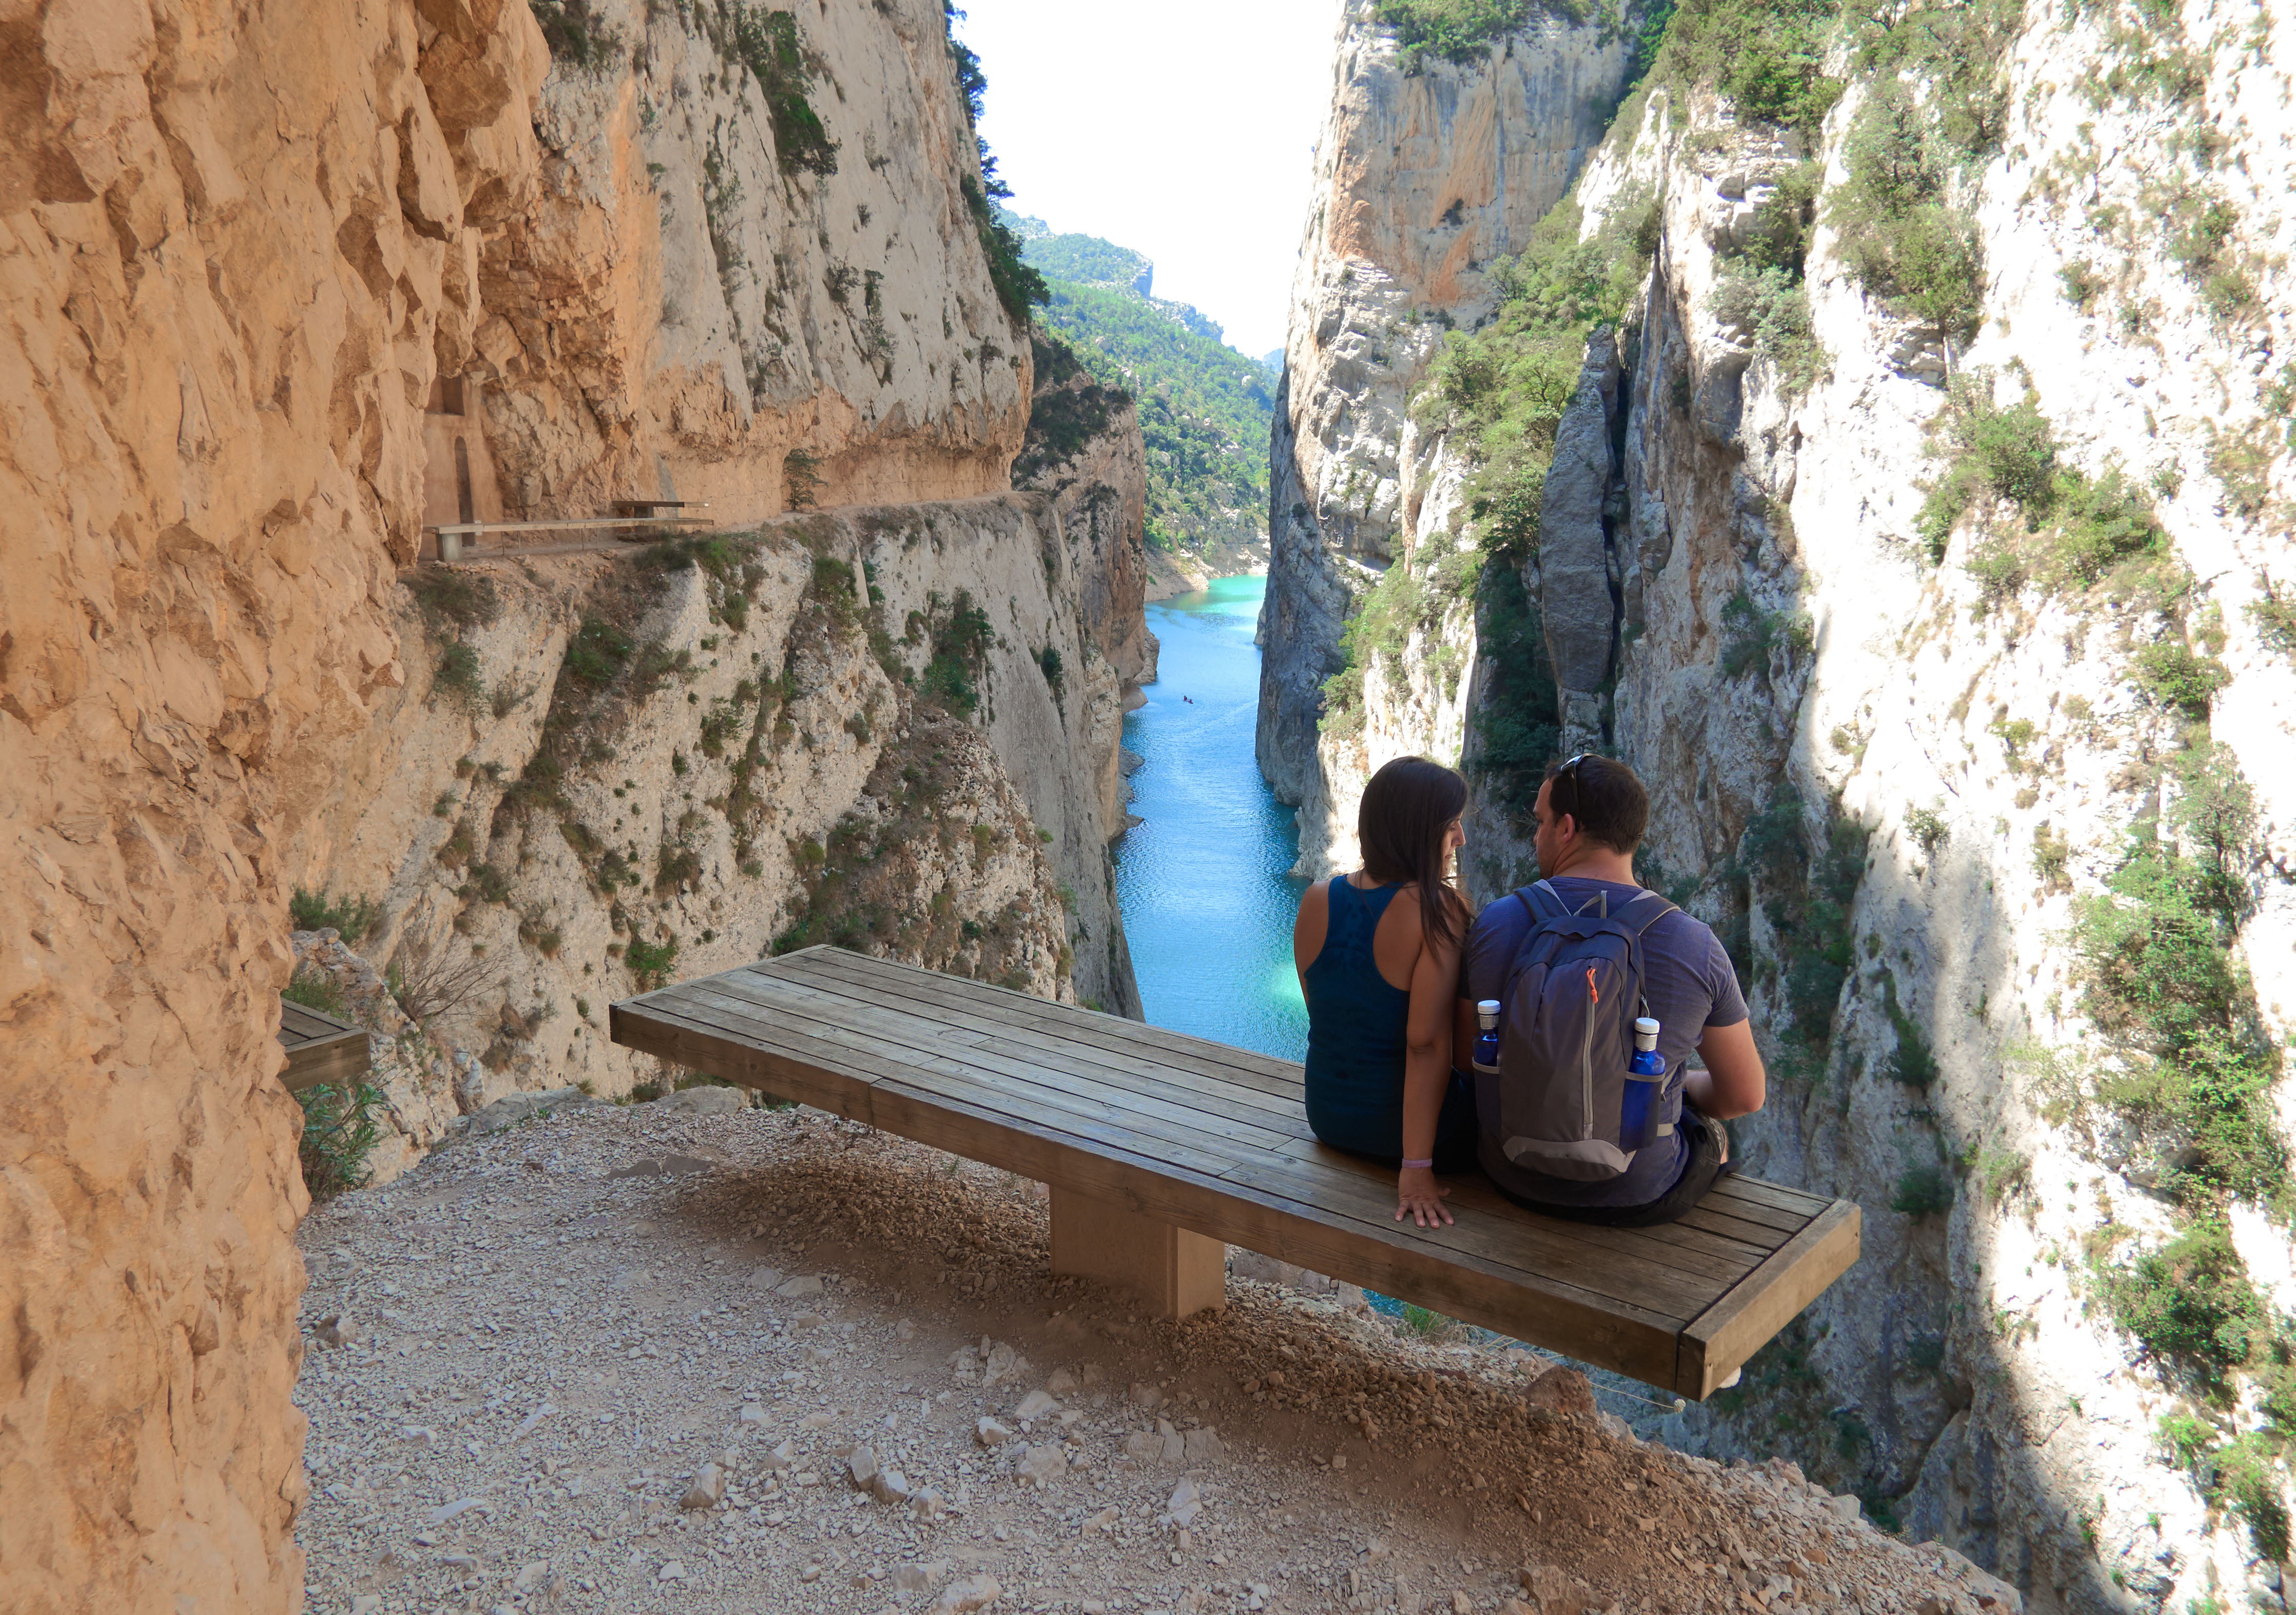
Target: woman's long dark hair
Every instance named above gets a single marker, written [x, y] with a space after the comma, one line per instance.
[1407, 806]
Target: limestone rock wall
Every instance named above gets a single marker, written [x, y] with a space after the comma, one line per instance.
[1420, 181]
[238, 247]
[1993, 1404]
[772, 752]
[688, 299]
[1736, 599]
[224, 290]
[1084, 450]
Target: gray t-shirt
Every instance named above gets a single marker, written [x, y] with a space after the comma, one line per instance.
[1689, 984]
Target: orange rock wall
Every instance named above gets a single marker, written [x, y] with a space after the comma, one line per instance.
[232, 253]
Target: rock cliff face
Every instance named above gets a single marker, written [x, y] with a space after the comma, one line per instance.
[748, 242]
[886, 727]
[237, 302]
[1422, 180]
[1918, 760]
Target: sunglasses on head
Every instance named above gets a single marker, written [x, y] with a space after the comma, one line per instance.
[1567, 771]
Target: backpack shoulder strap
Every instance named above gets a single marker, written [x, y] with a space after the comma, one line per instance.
[1551, 906]
[1648, 907]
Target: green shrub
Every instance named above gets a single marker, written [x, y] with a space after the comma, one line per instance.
[2052, 855]
[1922, 1192]
[576, 36]
[1048, 661]
[2242, 462]
[1773, 305]
[2069, 531]
[2276, 620]
[2188, 1304]
[312, 990]
[457, 681]
[1928, 828]
[1457, 30]
[2082, 283]
[1912, 1062]
[351, 918]
[1019, 287]
[1900, 234]
[650, 962]
[1959, 51]
[1063, 418]
[769, 44]
[2176, 676]
[961, 637]
[1809, 866]
[1779, 238]
[1517, 728]
[1750, 634]
[451, 597]
[339, 1133]
[2161, 981]
[1766, 58]
[598, 652]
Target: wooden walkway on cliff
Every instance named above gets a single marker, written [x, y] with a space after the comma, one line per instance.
[320, 1048]
[1161, 1150]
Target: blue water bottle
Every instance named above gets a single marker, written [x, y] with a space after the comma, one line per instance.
[1646, 1081]
[1487, 1041]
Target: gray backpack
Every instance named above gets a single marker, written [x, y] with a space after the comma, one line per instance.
[1569, 1002]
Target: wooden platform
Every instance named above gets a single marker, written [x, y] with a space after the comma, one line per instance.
[320, 1048]
[1143, 1132]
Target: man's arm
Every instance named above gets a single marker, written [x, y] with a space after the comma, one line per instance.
[1734, 1083]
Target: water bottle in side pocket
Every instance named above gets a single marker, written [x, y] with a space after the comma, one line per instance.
[1639, 1109]
[1487, 1039]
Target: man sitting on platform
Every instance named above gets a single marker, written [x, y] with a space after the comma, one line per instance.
[1599, 991]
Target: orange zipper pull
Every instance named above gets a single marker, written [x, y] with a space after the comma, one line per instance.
[1594, 993]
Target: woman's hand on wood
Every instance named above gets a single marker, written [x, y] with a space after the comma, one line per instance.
[1419, 1196]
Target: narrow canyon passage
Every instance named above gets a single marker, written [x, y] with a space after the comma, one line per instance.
[1204, 880]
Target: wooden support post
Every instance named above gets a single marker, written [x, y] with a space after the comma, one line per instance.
[1175, 1272]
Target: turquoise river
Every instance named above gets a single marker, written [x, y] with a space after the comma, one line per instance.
[1204, 881]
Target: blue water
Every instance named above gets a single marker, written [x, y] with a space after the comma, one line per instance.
[1207, 904]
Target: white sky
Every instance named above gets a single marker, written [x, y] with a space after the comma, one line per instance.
[1180, 128]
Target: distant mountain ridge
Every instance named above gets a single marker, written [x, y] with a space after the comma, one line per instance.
[1205, 408]
[1086, 260]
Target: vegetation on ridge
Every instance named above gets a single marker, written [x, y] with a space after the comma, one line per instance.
[1205, 409]
[1019, 287]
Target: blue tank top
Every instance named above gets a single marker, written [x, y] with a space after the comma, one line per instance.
[1357, 1028]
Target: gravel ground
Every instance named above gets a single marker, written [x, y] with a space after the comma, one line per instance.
[670, 1357]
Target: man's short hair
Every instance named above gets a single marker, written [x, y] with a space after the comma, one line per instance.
[1604, 797]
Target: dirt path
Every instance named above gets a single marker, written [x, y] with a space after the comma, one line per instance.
[630, 1359]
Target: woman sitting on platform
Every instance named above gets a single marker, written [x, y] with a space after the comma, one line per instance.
[1380, 978]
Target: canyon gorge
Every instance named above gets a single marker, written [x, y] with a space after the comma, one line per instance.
[1873, 429]
[286, 286]
[1876, 431]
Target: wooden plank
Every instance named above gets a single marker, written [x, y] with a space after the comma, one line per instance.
[1705, 1218]
[1526, 1243]
[1112, 1035]
[1110, 1054]
[341, 1060]
[321, 1048]
[1777, 1195]
[1073, 1115]
[1200, 1106]
[1726, 1198]
[1706, 1255]
[1720, 1340]
[1113, 1032]
[1032, 1091]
